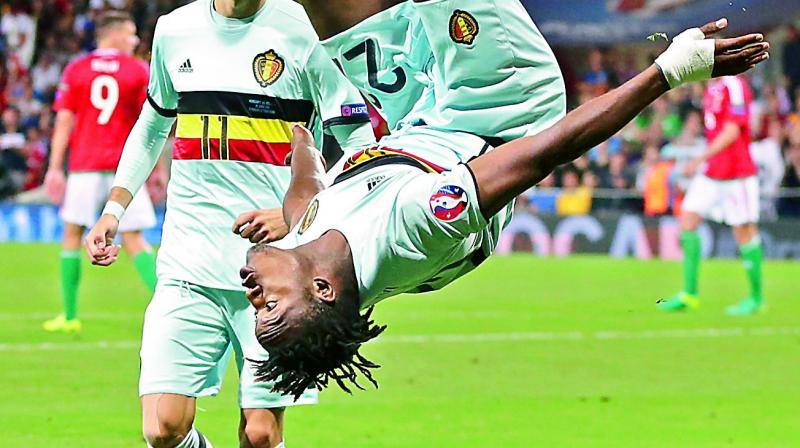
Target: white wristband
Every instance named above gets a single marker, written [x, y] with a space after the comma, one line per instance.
[114, 209]
[690, 58]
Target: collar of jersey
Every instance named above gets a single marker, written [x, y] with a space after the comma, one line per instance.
[228, 23]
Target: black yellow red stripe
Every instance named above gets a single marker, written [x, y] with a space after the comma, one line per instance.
[245, 105]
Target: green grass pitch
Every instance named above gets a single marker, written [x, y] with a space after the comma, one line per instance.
[524, 352]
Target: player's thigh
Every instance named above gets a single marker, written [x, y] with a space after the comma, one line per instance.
[140, 214]
[253, 394]
[741, 202]
[184, 342]
[491, 57]
[704, 197]
[165, 416]
[83, 198]
[261, 428]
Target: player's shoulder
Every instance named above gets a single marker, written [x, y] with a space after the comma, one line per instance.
[293, 14]
[736, 88]
[182, 20]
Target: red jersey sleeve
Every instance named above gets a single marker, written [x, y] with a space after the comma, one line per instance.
[66, 98]
[735, 104]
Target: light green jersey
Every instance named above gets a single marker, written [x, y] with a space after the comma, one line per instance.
[236, 87]
[477, 66]
[411, 229]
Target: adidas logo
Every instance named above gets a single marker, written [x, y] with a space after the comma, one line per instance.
[186, 67]
[374, 182]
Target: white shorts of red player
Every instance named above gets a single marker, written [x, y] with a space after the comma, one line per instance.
[733, 202]
[86, 195]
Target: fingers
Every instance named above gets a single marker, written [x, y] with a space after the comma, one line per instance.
[737, 43]
[254, 295]
[301, 137]
[710, 29]
[734, 63]
[105, 256]
[242, 220]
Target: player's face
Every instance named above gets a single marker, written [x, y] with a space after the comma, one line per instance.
[128, 40]
[276, 286]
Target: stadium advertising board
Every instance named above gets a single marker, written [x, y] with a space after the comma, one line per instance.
[635, 236]
[618, 236]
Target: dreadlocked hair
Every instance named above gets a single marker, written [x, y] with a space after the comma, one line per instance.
[328, 349]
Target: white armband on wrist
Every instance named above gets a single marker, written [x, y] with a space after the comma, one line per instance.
[114, 209]
[690, 58]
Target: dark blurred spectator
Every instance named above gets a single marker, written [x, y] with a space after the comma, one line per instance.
[617, 174]
[45, 75]
[653, 182]
[574, 199]
[790, 205]
[36, 158]
[12, 149]
[791, 61]
[595, 82]
[19, 30]
[542, 199]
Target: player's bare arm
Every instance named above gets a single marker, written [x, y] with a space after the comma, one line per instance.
[515, 167]
[730, 132]
[55, 181]
[331, 17]
[308, 170]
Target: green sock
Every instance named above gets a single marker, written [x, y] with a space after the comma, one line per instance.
[70, 279]
[752, 255]
[690, 241]
[145, 262]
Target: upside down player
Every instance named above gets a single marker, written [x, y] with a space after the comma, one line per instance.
[97, 103]
[235, 74]
[475, 66]
[726, 191]
[395, 223]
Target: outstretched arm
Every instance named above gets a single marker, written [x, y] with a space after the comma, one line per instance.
[508, 171]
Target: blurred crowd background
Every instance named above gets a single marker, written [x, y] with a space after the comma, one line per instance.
[637, 170]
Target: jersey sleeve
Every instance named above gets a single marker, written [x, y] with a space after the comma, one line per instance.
[440, 209]
[66, 95]
[161, 93]
[340, 106]
[734, 104]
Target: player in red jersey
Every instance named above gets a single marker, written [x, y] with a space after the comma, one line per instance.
[725, 191]
[97, 104]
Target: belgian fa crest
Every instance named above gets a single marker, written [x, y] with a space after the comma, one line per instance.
[268, 68]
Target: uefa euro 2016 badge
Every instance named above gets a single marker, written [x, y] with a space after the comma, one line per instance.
[449, 203]
[464, 27]
[268, 68]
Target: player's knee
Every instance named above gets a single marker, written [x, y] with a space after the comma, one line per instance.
[166, 433]
[134, 242]
[690, 221]
[262, 430]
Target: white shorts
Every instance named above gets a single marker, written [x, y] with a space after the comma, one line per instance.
[86, 196]
[189, 333]
[733, 202]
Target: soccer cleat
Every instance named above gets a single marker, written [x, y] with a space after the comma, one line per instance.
[746, 307]
[679, 302]
[60, 324]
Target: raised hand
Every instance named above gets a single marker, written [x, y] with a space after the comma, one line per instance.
[736, 55]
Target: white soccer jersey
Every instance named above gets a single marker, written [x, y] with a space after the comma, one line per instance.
[412, 226]
[236, 86]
